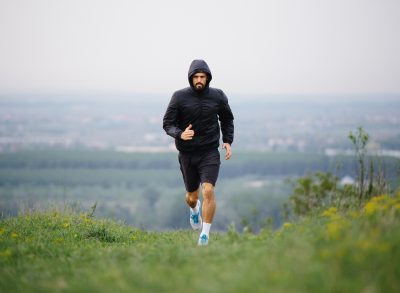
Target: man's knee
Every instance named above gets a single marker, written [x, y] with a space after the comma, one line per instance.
[191, 198]
[208, 191]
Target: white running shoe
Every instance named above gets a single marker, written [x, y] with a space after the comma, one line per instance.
[203, 240]
[195, 218]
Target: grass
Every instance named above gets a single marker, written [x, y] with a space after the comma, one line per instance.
[356, 251]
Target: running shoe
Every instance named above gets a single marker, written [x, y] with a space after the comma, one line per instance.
[203, 240]
[195, 218]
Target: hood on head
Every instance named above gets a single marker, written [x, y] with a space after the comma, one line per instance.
[196, 66]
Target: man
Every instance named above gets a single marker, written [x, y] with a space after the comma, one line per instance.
[192, 119]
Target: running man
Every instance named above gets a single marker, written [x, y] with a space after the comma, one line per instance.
[192, 119]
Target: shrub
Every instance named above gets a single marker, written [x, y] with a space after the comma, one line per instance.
[316, 191]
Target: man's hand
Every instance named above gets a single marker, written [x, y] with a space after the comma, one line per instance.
[188, 133]
[228, 154]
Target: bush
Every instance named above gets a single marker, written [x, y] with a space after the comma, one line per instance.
[314, 192]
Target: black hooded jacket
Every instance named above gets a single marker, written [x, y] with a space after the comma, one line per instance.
[202, 109]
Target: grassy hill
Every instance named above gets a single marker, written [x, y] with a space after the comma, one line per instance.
[356, 251]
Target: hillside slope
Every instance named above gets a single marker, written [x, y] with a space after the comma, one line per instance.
[358, 251]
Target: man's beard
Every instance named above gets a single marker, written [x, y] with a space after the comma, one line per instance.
[199, 86]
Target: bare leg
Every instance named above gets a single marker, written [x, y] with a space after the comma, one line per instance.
[209, 204]
[192, 197]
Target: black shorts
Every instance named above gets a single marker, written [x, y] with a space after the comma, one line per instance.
[199, 168]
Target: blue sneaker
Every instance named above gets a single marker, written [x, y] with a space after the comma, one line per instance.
[203, 240]
[195, 218]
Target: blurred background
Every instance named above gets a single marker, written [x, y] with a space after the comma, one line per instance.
[84, 86]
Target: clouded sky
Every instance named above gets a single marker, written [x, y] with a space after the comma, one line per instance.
[281, 46]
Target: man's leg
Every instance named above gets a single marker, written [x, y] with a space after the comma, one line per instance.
[208, 211]
[192, 199]
[208, 170]
[209, 204]
[192, 182]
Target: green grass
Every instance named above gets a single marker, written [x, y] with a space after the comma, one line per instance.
[357, 251]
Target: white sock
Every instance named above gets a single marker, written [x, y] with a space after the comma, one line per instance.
[196, 208]
[206, 228]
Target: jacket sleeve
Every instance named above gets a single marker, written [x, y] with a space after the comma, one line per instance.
[226, 118]
[170, 121]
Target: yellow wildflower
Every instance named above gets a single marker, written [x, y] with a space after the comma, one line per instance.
[85, 219]
[14, 235]
[66, 225]
[334, 229]
[383, 247]
[59, 240]
[2, 231]
[371, 207]
[5, 253]
[364, 244]
[354, 214]
[380, 203]
[329, 212]
[287, 225]
[378, 198]
[392, 201]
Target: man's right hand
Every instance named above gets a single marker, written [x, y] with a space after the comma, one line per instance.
[188, 133]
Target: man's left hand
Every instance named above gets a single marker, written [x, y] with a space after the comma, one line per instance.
[228, 154]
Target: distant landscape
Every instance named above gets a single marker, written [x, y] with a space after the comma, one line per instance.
[76, 150]
[134, 122]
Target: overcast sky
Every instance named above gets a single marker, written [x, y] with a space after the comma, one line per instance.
[281, 46]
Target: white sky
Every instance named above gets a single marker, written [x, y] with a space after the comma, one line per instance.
[281, 46]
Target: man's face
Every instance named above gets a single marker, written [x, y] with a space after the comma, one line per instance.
[199, 80]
